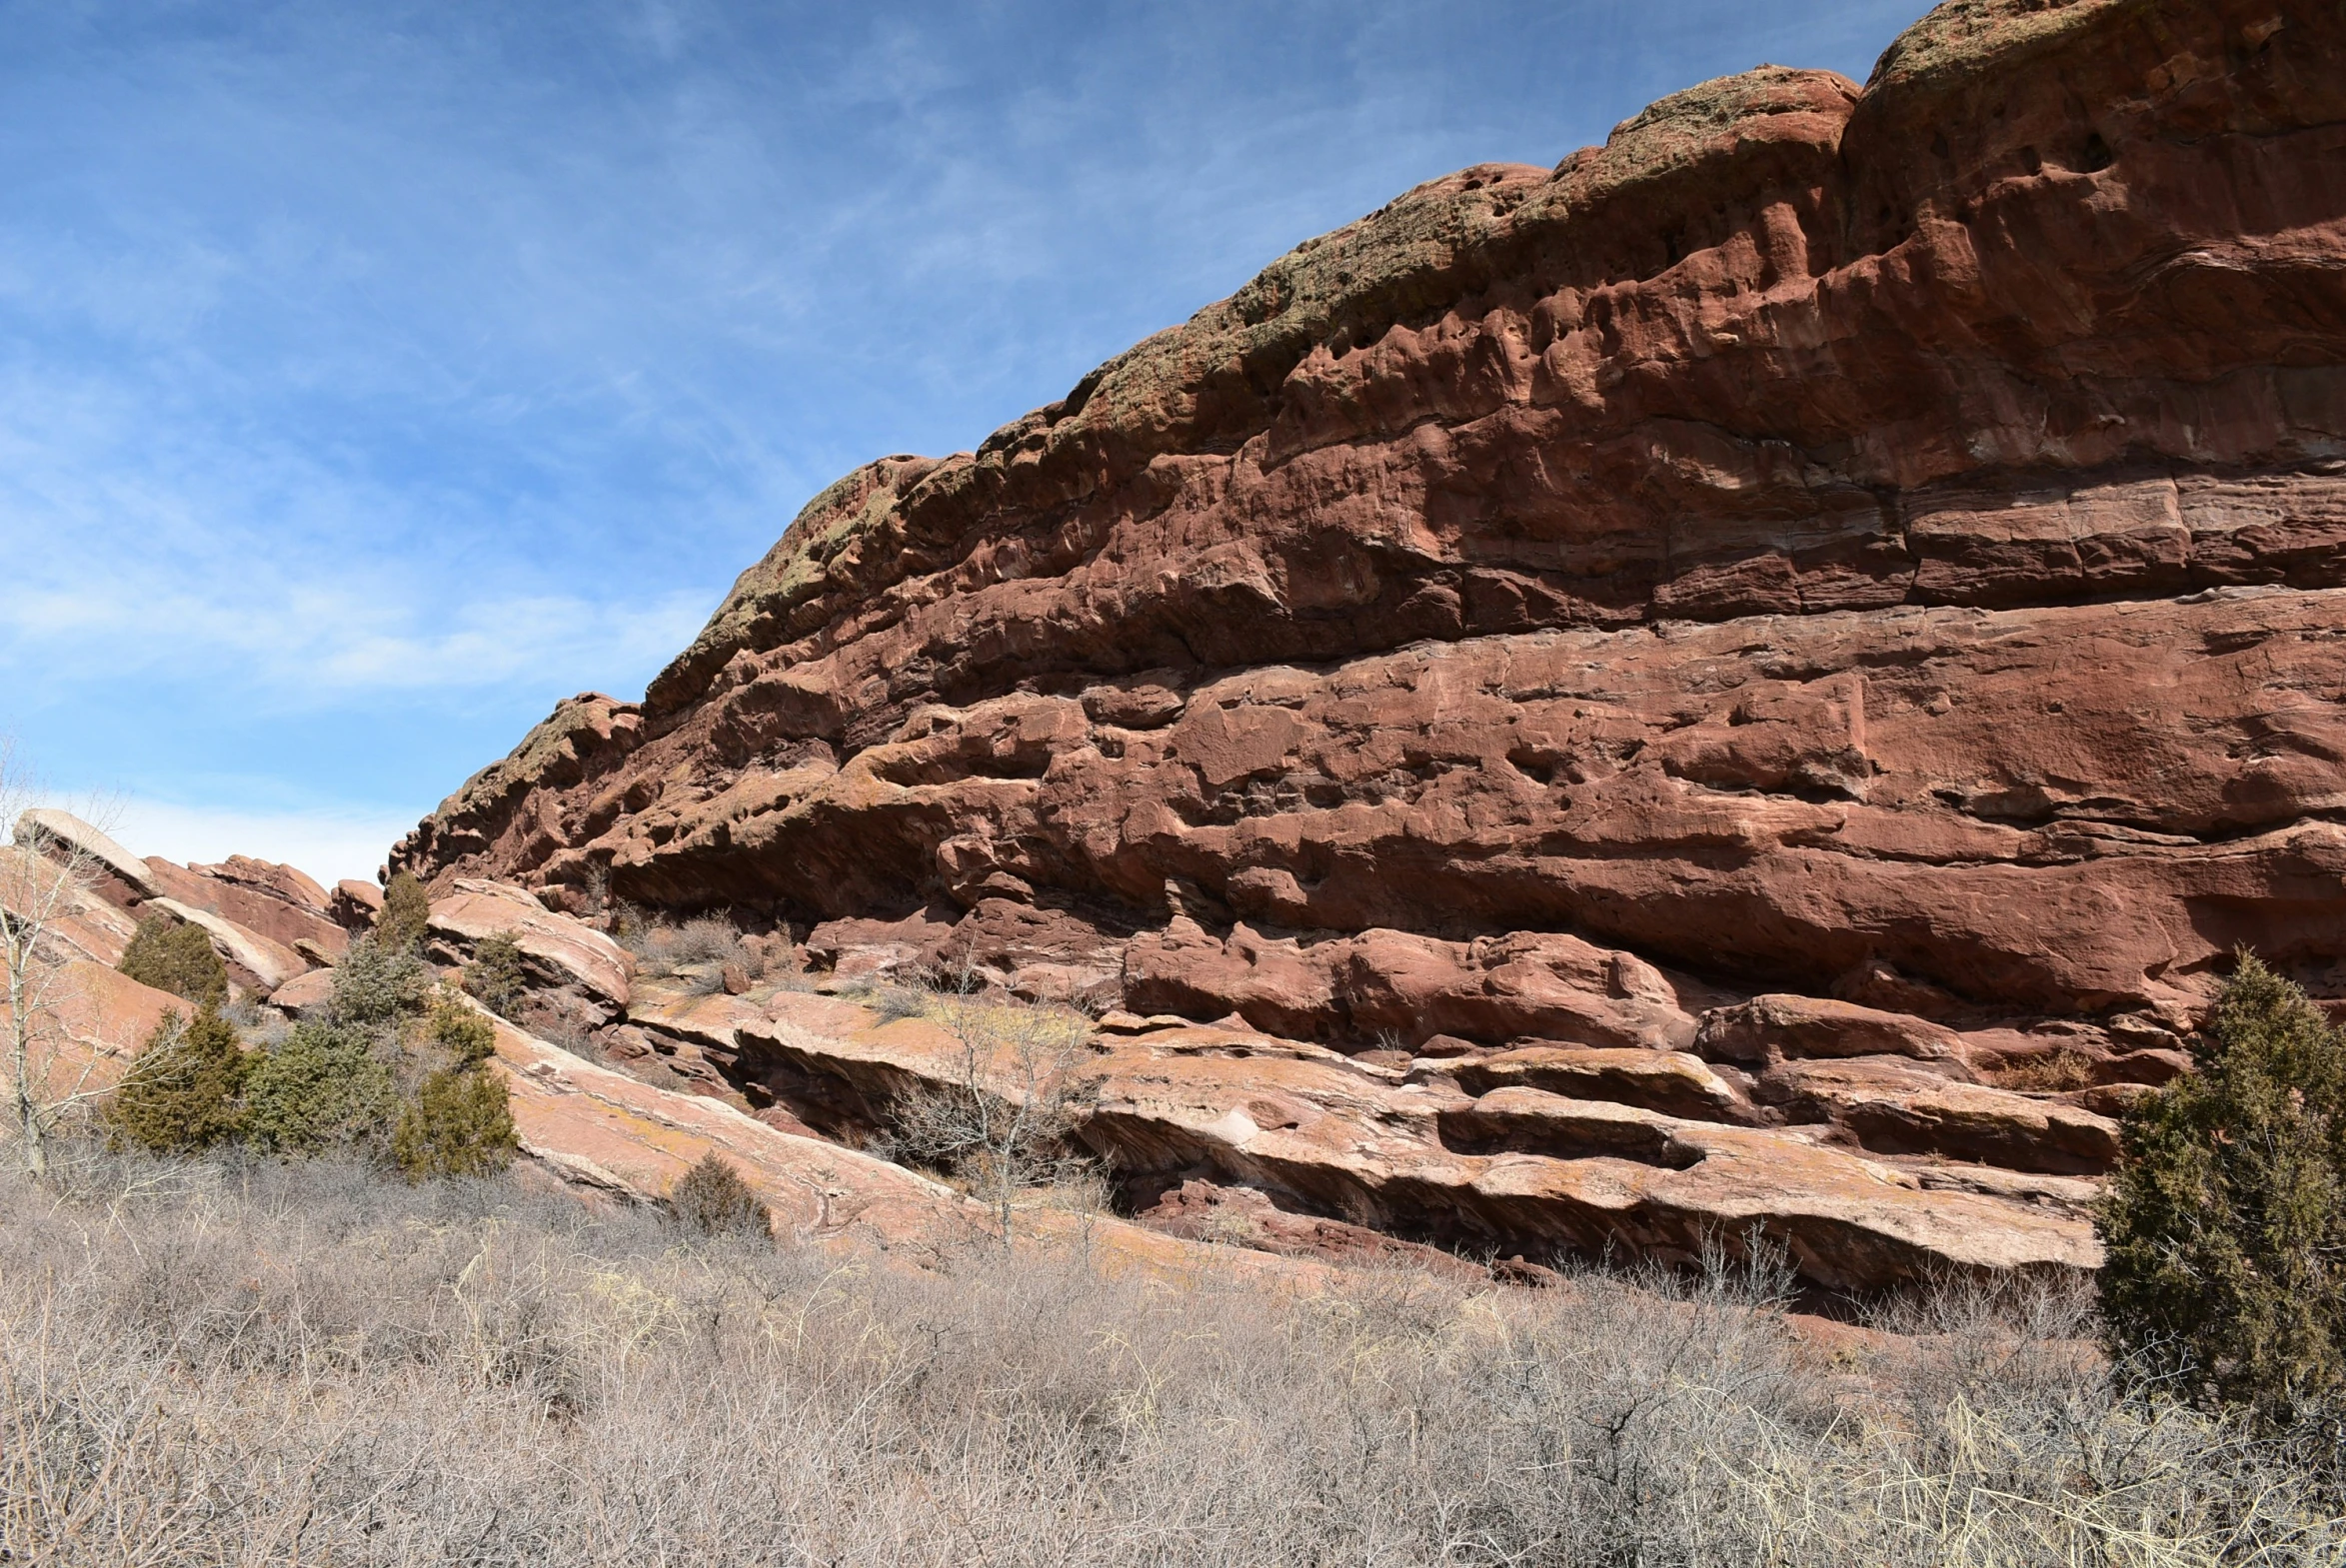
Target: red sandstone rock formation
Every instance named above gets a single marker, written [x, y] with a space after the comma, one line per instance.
[266, 922]
[1841, 588]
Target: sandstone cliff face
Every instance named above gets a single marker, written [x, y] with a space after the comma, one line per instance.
[1878, 550]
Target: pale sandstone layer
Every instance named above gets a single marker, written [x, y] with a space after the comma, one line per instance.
[1841, 588]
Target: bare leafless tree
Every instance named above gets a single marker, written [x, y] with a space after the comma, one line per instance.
[1016, 1094]
[45, 880]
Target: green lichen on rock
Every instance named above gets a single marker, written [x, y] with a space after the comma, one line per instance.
[1955, 38]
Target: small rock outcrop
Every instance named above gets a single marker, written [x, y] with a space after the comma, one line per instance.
[267, 923]
[1837, 590]
[564, 955]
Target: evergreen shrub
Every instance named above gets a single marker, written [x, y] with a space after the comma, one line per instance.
[322, 1088]
[377, 986]
[406, 910]
[713, 1199]
[460, 1124]
[497, 974]
[172, 955]
[462, 1032]
[2225, 1222]
[185, 1091]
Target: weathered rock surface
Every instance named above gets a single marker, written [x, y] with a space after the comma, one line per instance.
[286, 883]
[1507, 1170]
[304, 993]
[562, 951]
[1245, 1216]
[251, 900]
[356, 905]
[1887, 1106]
[77, 922]
[1477, 1163]
[269, 922]
[254, 962]
[607, 1132]
[1667, 1081]
[1828, 589]
[92, 1023]
[107, 857]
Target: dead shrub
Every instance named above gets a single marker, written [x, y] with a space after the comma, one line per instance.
[2054, 1072]
[663, 951]
[1004, 1118]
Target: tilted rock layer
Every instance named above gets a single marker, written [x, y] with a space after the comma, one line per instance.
[1837, 587]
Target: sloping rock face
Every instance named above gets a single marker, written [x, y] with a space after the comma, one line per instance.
[266, 922]
[557, 951]
[1498, 1167]
[92, 1024]
[1844, 586]
[606, 1132]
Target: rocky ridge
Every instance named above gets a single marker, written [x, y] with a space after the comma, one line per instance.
[602, 1132]
[1785, 650]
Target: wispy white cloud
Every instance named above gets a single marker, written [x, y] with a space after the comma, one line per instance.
[300, 645]
[267, 574]
[373, 374]
[328, 845]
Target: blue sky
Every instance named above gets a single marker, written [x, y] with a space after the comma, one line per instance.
[372, 376]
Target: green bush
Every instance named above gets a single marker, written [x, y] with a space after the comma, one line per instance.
[459, 1124]
[2225, 1222]
[713, 1199]
[462, 1032]
[377, 986]
[497, 974]
[405, 909]
[185, 1091]
[322, 1088]
[174, 957]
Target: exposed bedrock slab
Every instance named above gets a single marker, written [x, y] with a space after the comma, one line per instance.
[286, 883]
[2070, 809]
[1837, 572]
[90, 1024]
[1891, 1107]
[607, 1132]
[1667, 1082]
[1513, 1170]
[105, 857]
[79, 922]
[355, 905]
[272, 901]
[266, 920]
[253, 960]
[560, 951]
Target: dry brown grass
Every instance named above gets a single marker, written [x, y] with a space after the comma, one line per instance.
[699, 950]
[262, 1364]
[2052, 1072]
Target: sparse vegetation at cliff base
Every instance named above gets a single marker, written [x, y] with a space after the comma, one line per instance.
[251, 1361]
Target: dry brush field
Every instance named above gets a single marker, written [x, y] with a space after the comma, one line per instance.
[257, 1362]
